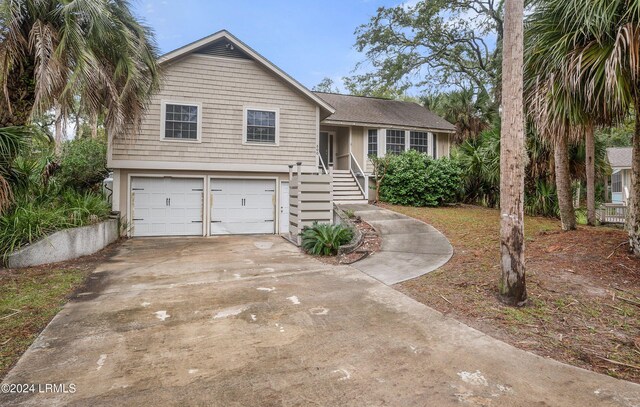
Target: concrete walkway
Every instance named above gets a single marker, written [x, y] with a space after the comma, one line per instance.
[251, 321]
[410, 248]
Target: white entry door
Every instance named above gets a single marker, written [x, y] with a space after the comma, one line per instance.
[242, 206]
[284, 207]
[164, 206]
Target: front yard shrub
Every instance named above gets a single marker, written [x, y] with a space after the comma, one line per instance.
[324, 239]
[405, 182]
[542, 200]
[415, 179]
[444, 179]
[30, 219]
[83, 163]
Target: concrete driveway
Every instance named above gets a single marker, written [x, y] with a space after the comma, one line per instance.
[249, 321]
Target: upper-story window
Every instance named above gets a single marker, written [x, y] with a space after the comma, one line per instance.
[395, 141]
[261, 126]
[372, 143]
[181, 121]
[419, 141]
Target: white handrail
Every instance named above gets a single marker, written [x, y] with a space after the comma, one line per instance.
[354, 161]
[324, 168]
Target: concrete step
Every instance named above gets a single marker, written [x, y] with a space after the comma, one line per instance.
[342, 176]
[347, 189]
[341, 171]
[346, 184]
[350, 201]
[342, 197]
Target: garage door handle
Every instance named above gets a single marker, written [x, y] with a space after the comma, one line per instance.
[268, 220]
[138, 219]
[196, 221]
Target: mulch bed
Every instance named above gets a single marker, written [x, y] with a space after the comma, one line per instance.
[371, 243]
[583, 288]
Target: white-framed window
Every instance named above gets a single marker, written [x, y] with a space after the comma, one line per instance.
[419, 141]
[396, 141]
[372, 142]
[261, 126]
[181, 121]
[616, 182]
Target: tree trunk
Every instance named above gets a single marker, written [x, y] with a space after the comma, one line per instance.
[513, 289]
[590, 147]
[21, 91]
[58, 133]
[634, 201]
[563, 183]
[94, 126]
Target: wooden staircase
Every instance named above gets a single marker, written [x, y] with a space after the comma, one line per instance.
[346, 189]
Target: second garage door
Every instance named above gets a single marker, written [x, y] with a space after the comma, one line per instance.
[242, 206]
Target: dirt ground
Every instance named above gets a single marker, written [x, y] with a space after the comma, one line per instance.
[583, 287]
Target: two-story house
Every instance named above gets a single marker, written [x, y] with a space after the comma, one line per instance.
[215, 147]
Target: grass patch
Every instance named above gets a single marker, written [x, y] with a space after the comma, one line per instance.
[29, 299]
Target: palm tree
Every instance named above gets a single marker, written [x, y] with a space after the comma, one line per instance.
[593, 46]
[13, 142]
[469, 110]
[555, 115]
[512, 159]
[54, 53]
[63, 54]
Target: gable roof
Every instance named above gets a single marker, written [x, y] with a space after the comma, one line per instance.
[619, 157]
[208, 45]
[377, 111]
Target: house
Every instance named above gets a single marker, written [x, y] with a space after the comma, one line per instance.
[214, 151]
[620, 161]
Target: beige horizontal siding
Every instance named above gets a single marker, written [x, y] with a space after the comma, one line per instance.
[443, 145]
[224, 86]
[357, 146]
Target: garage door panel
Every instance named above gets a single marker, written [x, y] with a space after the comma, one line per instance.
[164, 206]
[242, 206]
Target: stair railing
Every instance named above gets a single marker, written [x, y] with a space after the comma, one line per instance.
[358, 174]
[322, 166]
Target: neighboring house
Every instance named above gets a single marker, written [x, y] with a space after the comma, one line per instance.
[620, 183]
[214, 151]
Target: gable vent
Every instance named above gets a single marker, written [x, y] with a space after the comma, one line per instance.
[223, 48]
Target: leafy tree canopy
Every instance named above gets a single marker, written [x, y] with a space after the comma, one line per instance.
[326, 85]
[436, 42]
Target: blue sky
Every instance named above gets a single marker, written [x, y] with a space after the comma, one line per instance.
[308, 39]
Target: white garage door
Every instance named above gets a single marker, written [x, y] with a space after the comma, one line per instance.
[166, 206]
[242, 206]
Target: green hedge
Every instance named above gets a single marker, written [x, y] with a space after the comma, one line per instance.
[415, 179]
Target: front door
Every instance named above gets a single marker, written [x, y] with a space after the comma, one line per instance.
[326, 147]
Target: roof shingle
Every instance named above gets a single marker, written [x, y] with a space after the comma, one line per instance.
[368, 110]
[619, 157]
